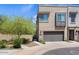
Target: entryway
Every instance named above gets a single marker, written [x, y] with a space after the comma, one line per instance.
[71, 34]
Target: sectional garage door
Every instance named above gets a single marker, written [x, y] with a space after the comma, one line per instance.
[54, 36]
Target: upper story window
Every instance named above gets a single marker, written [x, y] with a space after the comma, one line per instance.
[43, 17]
[60, 16]
[60, 19]
[72, 15]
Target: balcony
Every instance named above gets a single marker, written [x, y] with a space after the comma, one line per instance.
[60, 23]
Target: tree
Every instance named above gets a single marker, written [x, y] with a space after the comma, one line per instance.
[5, 25]
[18, 25]
[22, 26]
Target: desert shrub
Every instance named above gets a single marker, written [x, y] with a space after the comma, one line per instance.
[42, 41]
[17, 43]
[25, 41]
[3, 43]
[10, 41]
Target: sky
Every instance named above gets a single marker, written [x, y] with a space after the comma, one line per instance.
[25, 10]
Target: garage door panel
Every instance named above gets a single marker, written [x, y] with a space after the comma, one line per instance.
[53, 36]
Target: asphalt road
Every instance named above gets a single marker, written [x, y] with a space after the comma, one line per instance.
[64, 51]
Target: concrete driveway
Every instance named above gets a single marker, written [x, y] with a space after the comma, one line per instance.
[59, 48]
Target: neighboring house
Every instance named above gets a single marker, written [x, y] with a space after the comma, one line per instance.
[58, 23]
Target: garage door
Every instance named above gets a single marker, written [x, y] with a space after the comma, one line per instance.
[54, 36]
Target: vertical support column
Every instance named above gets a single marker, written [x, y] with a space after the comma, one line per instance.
[66, 27]
[78, 35]
[75, 35]
[65, 34]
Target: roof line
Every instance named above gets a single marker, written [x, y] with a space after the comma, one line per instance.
[59, 5]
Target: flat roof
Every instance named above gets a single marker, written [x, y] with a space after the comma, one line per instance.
[60, 5]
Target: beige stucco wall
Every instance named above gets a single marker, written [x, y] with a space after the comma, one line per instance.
[9, 37]
[50, 25]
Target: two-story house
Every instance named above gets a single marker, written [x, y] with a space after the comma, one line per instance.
[58, 23]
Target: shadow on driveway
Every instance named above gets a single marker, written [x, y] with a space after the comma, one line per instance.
[64, 51]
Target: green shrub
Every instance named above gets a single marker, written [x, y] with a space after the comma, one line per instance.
[3, 43]
[25, 41]
[17, 43]
[42, 41]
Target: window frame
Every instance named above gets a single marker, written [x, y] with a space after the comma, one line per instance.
[60, 13]
[41, 13]
[60, 21]
[72, 18]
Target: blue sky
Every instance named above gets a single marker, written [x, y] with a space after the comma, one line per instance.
[25, 10]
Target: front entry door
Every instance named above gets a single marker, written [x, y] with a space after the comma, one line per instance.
[71, 34]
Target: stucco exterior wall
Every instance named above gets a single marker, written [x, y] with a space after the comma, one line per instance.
[50, 25]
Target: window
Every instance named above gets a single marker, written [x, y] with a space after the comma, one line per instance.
[43, 17]
[73, 16]
[60, 19]
[60, 16]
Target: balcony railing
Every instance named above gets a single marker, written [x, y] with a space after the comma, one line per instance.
[60, 23]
